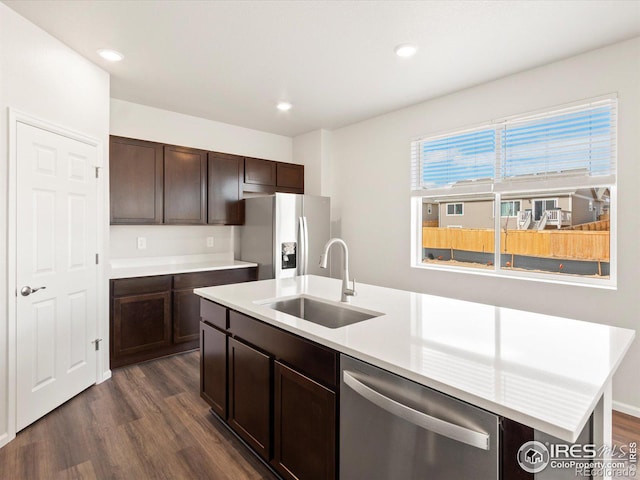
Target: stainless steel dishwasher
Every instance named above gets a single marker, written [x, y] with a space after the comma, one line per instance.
[393, 428]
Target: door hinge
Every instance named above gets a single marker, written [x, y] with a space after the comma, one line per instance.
[97, 258]
[97, 172]
[96, 342]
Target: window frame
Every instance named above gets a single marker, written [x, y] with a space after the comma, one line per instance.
[453, 204]
[555, 200]
[510, 201]
[512, 189]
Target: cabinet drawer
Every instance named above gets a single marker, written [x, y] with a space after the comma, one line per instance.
[317, 362]
[216, 277]
[141, 285]
[214, 314]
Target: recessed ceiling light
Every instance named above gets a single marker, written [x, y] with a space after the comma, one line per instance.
[406, 50]
[110, 55]
[284, 106]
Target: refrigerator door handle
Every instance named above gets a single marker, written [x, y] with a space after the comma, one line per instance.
[455, 432]
[305, 259]
[301, 245]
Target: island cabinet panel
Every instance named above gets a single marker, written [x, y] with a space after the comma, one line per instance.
[316, 361]
[185, 186]
[213, 368]
[250, 396]
[512, 436]
[224, 187]
[281, 392]
[304, 427]
[290, 177]
[136, 179]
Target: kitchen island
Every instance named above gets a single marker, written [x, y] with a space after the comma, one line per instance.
[548, 373]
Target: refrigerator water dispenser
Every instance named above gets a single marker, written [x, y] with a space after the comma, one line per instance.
[288, 255]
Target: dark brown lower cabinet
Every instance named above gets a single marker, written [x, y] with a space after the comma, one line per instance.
[250, 396]
[280, 391]
[213, 368]
[186, 316]
[141, 323]
[304, 427]
[160, 315]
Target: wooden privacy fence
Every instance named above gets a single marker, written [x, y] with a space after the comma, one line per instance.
[570, 244]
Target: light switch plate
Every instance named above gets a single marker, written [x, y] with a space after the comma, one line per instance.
[142, 243]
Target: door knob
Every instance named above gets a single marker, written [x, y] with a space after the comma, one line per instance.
[26, 291]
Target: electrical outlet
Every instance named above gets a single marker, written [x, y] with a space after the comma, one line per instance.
[210, 242]
[142, 243]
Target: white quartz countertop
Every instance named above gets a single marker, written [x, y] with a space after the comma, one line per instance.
[543, 371]
[149, 266]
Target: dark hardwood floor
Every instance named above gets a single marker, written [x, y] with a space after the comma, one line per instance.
[626, 430]
[147, 422]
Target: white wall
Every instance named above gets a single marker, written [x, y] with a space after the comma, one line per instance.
[164, 240]
[42, 77]
[148, 123]
[313, 151]
[370, 181]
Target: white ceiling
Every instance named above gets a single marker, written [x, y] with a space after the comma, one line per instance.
[232, 61]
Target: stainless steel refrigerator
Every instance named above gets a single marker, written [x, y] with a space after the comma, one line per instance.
[284, 234]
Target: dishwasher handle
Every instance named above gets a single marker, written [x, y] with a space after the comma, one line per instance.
[422, 420]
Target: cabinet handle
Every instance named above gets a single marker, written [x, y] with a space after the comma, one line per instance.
[422, 420]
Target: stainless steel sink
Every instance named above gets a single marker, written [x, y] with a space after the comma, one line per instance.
[322, 313]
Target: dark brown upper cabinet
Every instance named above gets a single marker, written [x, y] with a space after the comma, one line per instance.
[135, 181]
[185, 186]
[224, 189]
[290, 178]
[261, 174]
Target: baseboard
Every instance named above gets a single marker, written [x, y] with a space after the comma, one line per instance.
[5, 438]
[105, 376]
[625, 408]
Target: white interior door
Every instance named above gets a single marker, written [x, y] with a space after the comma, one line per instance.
[56, 244]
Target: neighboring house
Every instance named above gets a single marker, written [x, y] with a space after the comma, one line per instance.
[521, 212]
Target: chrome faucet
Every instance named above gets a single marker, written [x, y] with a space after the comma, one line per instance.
[346, 291]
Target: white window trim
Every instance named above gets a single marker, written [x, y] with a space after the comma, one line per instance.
[510, 200]
[454, 209]
[556, 200]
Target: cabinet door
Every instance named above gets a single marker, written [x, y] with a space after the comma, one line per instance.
[304, 427]
[141, 323]
[290, 178]
[135, 181]
[250, 396]
[225, 189]
[186, 316]
[213, 368]
[185, 186]
[259, 172]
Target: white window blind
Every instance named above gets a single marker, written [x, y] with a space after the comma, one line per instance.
[577, 141]
[571, 142]
[462, 157]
